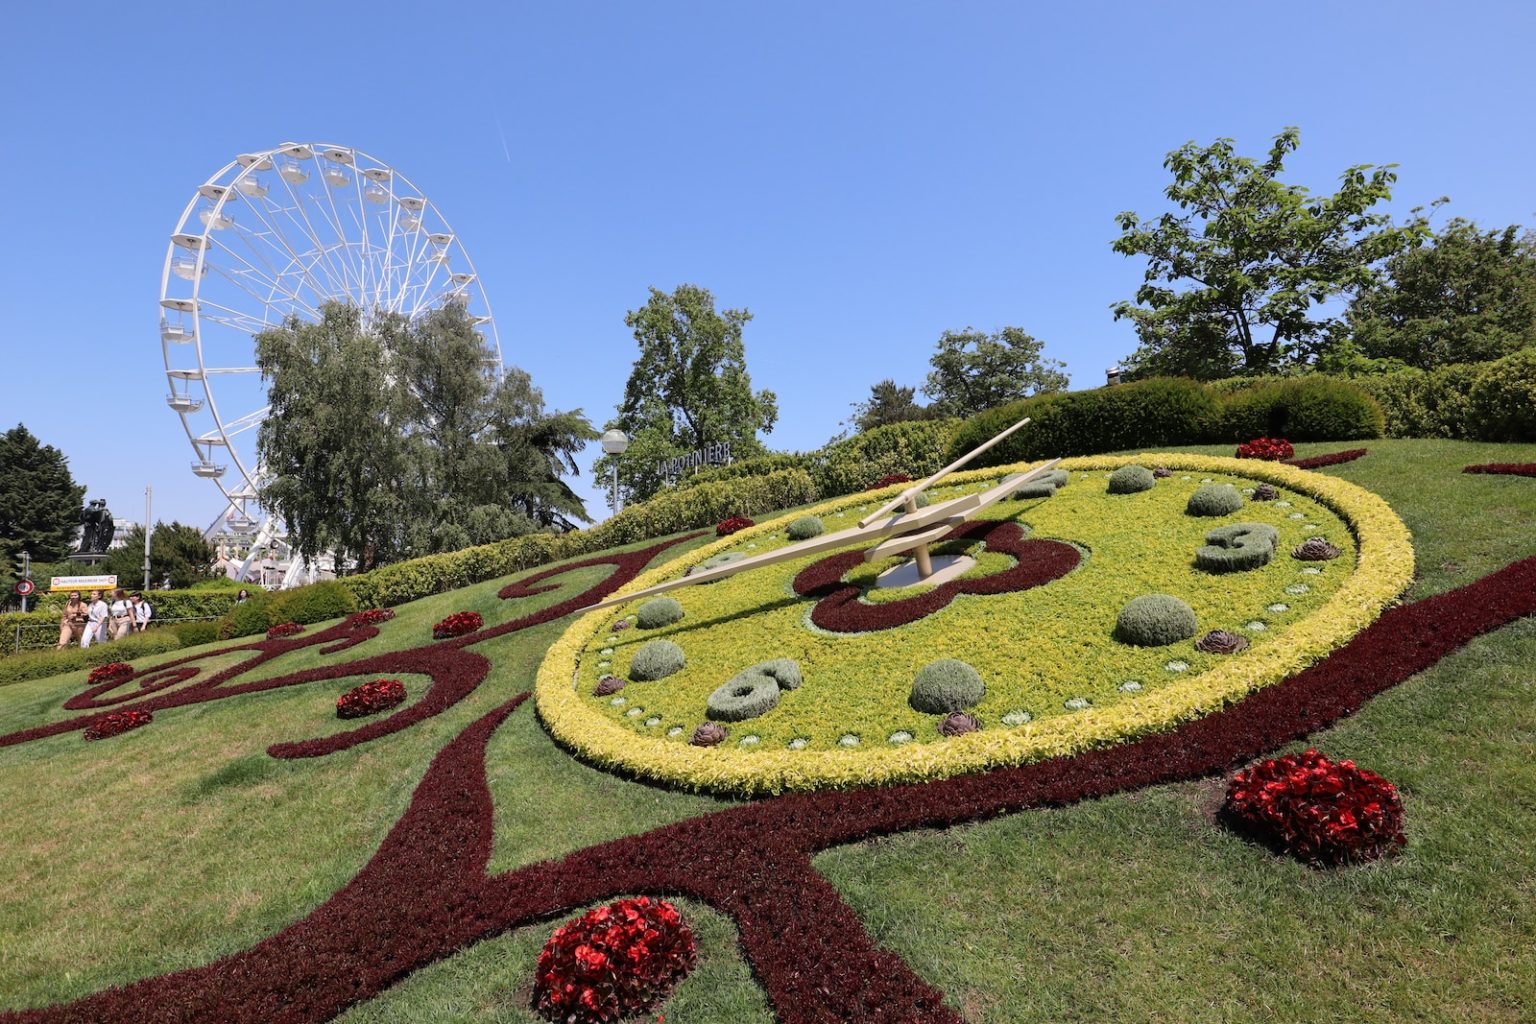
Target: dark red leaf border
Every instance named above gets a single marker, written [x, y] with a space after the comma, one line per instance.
[1504, 468]
[1331, 459]
[425, 894]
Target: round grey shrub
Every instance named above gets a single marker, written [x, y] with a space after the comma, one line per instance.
[753, 691]
[1131, 479]
[658, 612]
[785, 672]
[804, 528]
[1155, 620]
[656, 660]
[1237, 547]
[946, 686]
[1214, 500]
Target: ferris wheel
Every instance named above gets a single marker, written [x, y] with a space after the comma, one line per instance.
[276, 234]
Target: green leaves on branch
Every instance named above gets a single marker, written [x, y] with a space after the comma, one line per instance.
[40, 503]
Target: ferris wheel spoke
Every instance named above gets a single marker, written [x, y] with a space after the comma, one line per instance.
[278, 240]
[341, 237]
[238, 279]
[336, 274]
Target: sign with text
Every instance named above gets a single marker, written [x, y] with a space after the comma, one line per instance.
[709, 455]
[58, 583]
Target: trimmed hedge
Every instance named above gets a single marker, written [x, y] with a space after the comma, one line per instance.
[192, 603]
[315, 602]
[758, 465]
[37, 664]
[1311, 408]
[915, 449]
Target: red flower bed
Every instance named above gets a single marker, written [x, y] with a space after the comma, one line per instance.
[726, 527]
[370, 698]
[111, 672]
[1319, 811]
[1504, 468]
[1270, 449]
[612, 962]
[373, 616]
[115, 722]
[457, 624]
[886, 481]
[284, 629]
[1331, 459]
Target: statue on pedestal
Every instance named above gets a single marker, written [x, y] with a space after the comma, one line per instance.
[97, 528]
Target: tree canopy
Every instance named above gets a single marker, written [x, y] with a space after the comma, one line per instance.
[390, 438]
[1469, 297]
[889, 402]
[1235, 274]
[40, 503]
[974, 370]
[688, 388]
[176, 550]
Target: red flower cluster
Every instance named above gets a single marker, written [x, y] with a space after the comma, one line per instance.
[373, 616]
[284, 629]
[370, 698]
[111, 672]
[1504, 468]
[1331, 459]
[612, 962]
[115, 722]
[1270, 449]
[457, 624]
[1319, 811]
[886, 481]
[729, 526]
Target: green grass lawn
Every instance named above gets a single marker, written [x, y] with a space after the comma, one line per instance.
[174, 845]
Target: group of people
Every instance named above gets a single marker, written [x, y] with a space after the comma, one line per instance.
[97, 621]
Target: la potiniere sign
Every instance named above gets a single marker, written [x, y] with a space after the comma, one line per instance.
[709, 455]
[58, 583]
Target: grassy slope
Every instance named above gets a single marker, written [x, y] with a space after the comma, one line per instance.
[1135, 908]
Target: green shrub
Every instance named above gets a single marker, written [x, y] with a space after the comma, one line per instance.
[37, 664]
[1214, 500]
[915, 448]
[1146, 414]
[1310, 408]
[315, 602]
[1155, 620]
[1503, 398]
[758, 465]
[753, 691]
[804, 528]
[658, 612]
[1131, 479]
[195, 603]
[656, 660]
[1237, 547]
[246, 619]
[191, 634]
[945, 686]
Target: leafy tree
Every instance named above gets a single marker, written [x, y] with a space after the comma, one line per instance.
[1234, 274]
[390, 438]
[40, 503]
[689, 388]
[175, 550]
[1469, 297]
[889, 402]
[973, 370]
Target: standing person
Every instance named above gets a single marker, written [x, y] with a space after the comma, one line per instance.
[142, 612]
[72, 622]
[122, 614]
[95, 621]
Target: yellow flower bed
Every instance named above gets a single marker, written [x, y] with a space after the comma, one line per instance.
[1046, 654]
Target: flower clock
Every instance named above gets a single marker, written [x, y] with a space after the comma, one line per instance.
[613, 962]
[457, 624]
[1033, 613]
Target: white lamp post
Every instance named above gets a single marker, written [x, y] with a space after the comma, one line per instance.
[614, 443]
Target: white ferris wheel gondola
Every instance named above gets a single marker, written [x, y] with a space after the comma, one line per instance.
[277, 234]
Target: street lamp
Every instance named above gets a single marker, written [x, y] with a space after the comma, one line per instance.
[614, 443]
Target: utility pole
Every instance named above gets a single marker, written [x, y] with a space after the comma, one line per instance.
[149, 494]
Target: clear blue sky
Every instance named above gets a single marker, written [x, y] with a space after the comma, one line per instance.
[860, 175]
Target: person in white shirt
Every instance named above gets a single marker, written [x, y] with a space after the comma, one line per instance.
[95, 621]
[122, 614]
[142, 612]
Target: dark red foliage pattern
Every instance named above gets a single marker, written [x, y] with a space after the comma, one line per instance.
[1504, 468]
[457, 624]
[887, 481]
[111, 672]
[1270, 449]
[425, 894]
[284, 630]
[373, 616]
[734, 524]
[370, 698]
[839, 610]
[612, 962]
[1331, 459]
[116, 722]
[1322, 812]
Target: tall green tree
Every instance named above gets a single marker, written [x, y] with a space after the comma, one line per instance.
[391, 438]
[688, 388]
[40, 503]
[1236, 273]
[176, 551]
[1469, 297]
[974, 370]
[889, 402]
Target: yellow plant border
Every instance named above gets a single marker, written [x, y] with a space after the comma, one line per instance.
[1383, 571]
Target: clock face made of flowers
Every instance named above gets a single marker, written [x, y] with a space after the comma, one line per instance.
[1035, 615]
